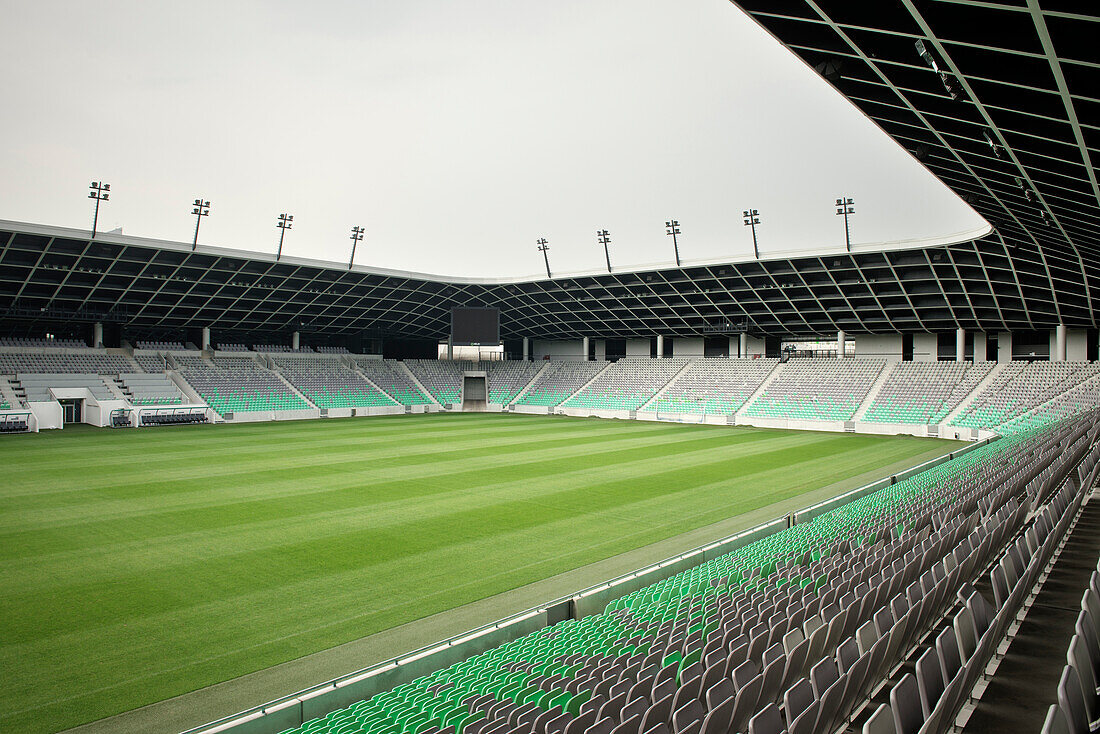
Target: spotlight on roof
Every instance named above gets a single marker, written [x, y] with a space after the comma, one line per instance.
[989, 139]
[831, 70]
[950, 83]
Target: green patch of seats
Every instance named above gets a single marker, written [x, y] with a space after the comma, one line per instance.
[795, 408]
[506, 672]
[364, 397]
[890, 411]
[540, 395]
[240, 401]
[710, 405]
[611, 400]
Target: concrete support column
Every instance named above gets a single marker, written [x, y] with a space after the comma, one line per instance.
[526, 349]
[1059, 344]
[206, 337]
[960, 344]
[743, 345]
[294, 340]
[584, 348]
[841, 337]
[660, 346]
[97, 335]
[450, 348]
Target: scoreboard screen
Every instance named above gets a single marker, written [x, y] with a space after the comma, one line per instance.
[475, 327]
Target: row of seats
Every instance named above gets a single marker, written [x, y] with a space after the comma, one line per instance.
[441, 377]
[232, 348]
[818, 389]
[333, 350]
[13, 423]
[90, 362]
[8, 341]
[790, 633]
[173, 419]
[507, 378]
[1020, 387]
[150, 389]
[328, 383]
[558, 381]
[238, 385]
[713, 386]
[627, 384]
[281, 348]
[1078, 689]
[160, 346]
[930, 698]
[389, 376]
[925, 392]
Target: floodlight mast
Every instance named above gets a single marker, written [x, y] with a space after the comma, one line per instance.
[544, 248]
[672, 227]
[100, 192]
[752, 218]
[356, 238]
[202, 209]
[285, 222]
[844, 207]
[604, 238]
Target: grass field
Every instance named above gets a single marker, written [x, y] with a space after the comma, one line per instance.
[138, 565]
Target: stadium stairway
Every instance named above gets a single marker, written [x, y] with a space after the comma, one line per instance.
[269, 365]
[535, 378]
[772, 377]
[419, 385]
[583, 387]
[645, 406]
[876, 388]
[978, 390]
[1025, 683]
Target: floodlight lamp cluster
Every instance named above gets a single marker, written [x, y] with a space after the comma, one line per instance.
[202, 208]
[99, 190]
[752, 216]
[285, 221]
[845, 206]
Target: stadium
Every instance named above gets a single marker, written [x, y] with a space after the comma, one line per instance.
[839, 487]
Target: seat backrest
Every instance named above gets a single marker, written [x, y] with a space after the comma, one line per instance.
[947, 649]
[929, 680]
[905, 703]
[1056, 722]
[798, 698]
[1070, 700]
[1078, 656]
[964, 633]
[823, 675]
[847, 654]
[767, 721]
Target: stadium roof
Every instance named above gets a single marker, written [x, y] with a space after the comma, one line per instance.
[1001, 100]
[1001, 106]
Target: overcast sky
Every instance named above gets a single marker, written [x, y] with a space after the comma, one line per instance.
[457, 133]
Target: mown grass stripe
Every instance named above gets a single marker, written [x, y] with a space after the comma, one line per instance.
[284, 539]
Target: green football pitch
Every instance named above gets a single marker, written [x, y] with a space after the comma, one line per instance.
[139, 565]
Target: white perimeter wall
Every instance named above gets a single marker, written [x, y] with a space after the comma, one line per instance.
[1004, 346]
[687, 347]
[1077, 347]
[878, 346]
[925, 348]
[564, 349]
[637, 347]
